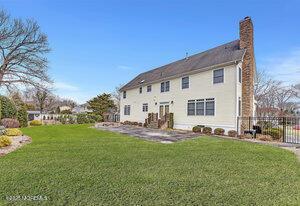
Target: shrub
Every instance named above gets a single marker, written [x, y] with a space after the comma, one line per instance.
[140, 124]
[95, 117]
[13, 132]
[207, 130]
[232, 133]
[263, 137]
[88, 118]
[8, 108]
[82, 119]
[5, 141]
[35, 123]
[219, 131]
[10, 123]
[265, 124]
[22, 116]
[198, 128]
[275, 133]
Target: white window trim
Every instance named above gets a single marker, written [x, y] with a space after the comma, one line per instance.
[223, 76]
[181, 83]
[204, 101]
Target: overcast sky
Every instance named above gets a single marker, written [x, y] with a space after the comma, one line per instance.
[97, 45]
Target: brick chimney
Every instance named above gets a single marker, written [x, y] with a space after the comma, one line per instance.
[248, 66]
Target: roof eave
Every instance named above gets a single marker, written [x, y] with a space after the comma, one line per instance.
[185, 73]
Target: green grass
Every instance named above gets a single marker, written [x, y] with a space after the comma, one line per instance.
[77, 165]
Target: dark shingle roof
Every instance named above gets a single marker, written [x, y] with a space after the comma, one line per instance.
[219, 55]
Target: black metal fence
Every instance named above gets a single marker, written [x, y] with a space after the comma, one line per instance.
[285, 129]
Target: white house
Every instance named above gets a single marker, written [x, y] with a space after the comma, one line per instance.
[211, 88]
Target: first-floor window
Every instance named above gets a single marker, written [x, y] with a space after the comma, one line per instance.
[191, 107]
[145, 107]
[201, 107]
[210, 107]
[240, 106]
[127, 110]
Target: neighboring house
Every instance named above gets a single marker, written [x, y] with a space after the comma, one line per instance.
[81, 109]
[36, 115]
[112, 115]
[211, 88]
[64, 108]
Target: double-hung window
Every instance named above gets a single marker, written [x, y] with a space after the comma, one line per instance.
[124, 95]
[141, 90]
[127, 110]
[149, 88]
[165, 86]
[185, 82]
[240, 75]
[145, 107]
[201, 107]
[210, 107]
[191, 107]
[218, 76]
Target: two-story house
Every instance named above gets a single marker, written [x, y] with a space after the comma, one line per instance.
[211, 88]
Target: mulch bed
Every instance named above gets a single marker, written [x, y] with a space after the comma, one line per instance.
[17, 142]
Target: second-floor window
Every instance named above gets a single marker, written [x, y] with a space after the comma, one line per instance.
[149, 88]
[185, 82]
[141, 90]
[218, 76]
[124, 95]
[240, 75]
[165, 86]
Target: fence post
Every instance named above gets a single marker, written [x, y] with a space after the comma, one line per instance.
[284, 129]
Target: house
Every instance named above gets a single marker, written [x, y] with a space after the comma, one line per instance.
[64, 108]
[211, 88]
[83, 108]
[37, 115]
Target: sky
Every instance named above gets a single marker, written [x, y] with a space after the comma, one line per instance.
[98, 45]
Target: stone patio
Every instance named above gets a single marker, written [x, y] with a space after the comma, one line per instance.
[163, 136]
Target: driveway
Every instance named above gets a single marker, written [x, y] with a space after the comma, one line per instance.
[164, 136]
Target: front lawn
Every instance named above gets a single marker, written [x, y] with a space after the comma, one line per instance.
[77, 165]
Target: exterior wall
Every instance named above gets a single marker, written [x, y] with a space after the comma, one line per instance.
[200, 87]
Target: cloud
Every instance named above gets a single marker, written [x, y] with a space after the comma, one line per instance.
[123, 67]
[65, 86]
[284, 67]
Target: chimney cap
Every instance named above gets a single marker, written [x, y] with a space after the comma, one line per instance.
[247, 17]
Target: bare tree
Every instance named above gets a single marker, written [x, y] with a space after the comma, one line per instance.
[283, 97]
[273, 98]
[116, 96]
[22, 53]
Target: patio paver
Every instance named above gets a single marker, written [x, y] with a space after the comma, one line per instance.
[163, 136]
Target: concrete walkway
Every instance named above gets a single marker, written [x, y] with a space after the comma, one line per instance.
[164, 136]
